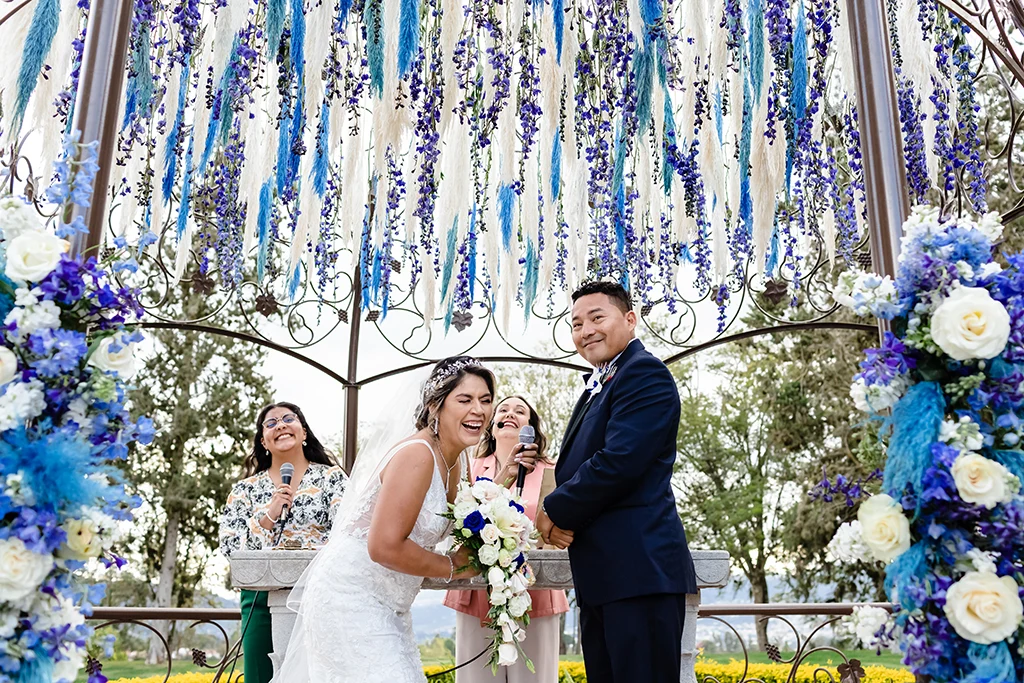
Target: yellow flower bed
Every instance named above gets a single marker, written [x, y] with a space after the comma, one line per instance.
[575, 672]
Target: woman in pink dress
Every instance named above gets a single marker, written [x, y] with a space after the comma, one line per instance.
[494, 459]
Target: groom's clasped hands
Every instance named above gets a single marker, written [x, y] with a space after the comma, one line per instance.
[552, 534]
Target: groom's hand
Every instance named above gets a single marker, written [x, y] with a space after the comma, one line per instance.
[552, 535]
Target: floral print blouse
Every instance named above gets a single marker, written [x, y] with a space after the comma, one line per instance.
[309, 522]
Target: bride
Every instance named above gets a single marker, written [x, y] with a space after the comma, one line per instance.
[353, 601]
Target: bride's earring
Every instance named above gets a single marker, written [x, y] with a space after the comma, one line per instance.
[303, 443]
[435, 425]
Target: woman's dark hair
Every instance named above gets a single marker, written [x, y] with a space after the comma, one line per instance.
[445, 376]
[488, 443]
[258, 459]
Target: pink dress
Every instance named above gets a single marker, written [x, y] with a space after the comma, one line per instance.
[546, 603]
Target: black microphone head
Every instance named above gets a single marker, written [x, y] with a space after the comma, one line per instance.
[527, 434]
[499, 425]
[287, 470]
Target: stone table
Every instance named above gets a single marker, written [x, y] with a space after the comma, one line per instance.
[276, 571]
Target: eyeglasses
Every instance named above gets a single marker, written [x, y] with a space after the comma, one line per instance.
[290, 418]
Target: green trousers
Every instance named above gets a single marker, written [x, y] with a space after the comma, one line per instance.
[257, 640]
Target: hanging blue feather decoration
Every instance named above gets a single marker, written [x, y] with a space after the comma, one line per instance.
[374, 45]
[1011, 460]
[558, 15]
[365, 245]
[343, 9]
[140, 85]
[530, 281]
[53, 467]
[506, 200]
[130, 98]
[448, 314]
[756, 47]
[915, 421]
[905, 572]
[798, 98]
[38, 41]
[620, 161]
[227, 112]
[992, 664]
[275, 27]
[408, 35]
[186, 193]
[263, 230]
[773, 255]
[171, 158]
[719, 123]
[293, 281]
[376, 275]
[322, 141]
[746, 207]
[650, 10]
[685, 255]
[451, 242]
[298, 40]
[284, 146]
[620, 226]
[556, 165]
[643, 66]
[670, 139]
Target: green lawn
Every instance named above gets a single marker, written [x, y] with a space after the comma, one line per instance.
[139, 669]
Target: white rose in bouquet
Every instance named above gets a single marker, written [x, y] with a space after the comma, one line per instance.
[490, 533]
[463, 509]
[970, 325]
[488, 554]
[486, 490]
[17, 217]
[120, 361]
[884, 527]
[519, 604]
[31, 256]
[504, 558]
[499, 597]
[982, 481]
[984, 608]
[507, 654]
[21, 570]
[518, 583]
[8, 365]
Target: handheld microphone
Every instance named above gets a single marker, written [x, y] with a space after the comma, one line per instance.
[526, 435]
[287, 470]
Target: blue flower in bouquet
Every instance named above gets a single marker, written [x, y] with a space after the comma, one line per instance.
[474, 521]
[516, 506]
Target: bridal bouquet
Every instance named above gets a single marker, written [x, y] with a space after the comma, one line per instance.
[492, 523]
[949, 519]
[65, 353]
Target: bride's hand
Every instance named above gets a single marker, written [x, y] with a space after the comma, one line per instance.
[460, 558]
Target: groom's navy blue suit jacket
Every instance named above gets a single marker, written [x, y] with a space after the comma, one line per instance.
[613, 474]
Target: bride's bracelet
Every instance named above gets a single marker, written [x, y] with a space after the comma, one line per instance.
[451, 574]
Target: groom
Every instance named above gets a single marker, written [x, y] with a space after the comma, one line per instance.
[613, 507]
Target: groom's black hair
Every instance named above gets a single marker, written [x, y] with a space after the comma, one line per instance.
[613, 290]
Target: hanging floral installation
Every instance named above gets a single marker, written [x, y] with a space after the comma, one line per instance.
[503, 151]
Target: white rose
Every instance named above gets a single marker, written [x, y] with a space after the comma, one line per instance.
[490, 534]
[486, 490]
[31, 256]
[83, 540]
[984, 608]
[488, 555]
[496, 577]
[498, 597]
[21, 570]
[8, 365]
[463, 509]
[884, 527]
[519, 604]
[504, 558]
[17, 217]
[982, 481]
[517, 583]
[121, 362]
[969, 324]
[507, 654]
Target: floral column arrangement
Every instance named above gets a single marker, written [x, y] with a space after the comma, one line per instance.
[949, 520]
[66, 351]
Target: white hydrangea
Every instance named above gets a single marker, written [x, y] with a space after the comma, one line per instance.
[991, 225]
[8, 623]
[965, 272]
[867, 293]
[977, 561]
[17, 217]
[865, 623]
[989, 269]
[31, 315]
[963, 435]
[22, 401]
[848, 546]
[55, 612]
[78, 412]
[875, 398]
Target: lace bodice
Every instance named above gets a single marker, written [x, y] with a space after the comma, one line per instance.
[348, 560]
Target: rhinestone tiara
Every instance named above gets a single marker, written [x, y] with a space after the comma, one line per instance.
[437, 381]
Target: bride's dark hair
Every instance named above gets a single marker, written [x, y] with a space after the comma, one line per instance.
[445, 376]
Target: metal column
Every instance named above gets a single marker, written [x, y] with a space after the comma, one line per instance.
[98, 103]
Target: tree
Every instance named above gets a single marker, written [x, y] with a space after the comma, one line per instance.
[203, 392]
[752, 447]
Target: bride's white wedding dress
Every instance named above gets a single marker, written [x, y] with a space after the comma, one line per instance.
[354, 624]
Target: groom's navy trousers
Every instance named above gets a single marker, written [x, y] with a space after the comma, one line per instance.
[630, 561]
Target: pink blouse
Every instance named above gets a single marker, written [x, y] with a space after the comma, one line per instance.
[546, 603]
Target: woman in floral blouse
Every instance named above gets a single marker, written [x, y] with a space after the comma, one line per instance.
[251, 517]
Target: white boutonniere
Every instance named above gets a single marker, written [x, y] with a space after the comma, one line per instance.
[599, 379]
